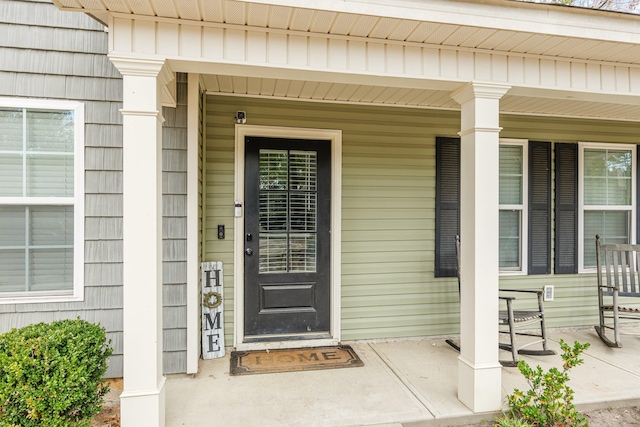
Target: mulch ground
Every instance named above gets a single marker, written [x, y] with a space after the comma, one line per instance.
[609, 417]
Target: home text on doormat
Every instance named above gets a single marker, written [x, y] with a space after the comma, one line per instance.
[289, 360]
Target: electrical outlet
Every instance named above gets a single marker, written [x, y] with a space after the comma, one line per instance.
[548, 293]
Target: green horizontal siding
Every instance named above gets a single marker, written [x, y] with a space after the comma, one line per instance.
[388, 210]
[575, 302]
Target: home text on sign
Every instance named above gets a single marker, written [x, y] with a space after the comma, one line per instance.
[212, 312]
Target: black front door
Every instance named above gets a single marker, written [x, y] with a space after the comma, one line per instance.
[287, 238]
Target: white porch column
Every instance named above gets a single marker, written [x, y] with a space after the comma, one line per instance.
[479, 371]
[142, 400]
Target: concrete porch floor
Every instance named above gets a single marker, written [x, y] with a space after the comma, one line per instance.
[409, 382]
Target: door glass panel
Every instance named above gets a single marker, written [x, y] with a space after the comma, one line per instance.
[274, 169]
[303, 212]
[303, 170]
[273, 211]
[273, 253]
[288, 211]
[302, 256]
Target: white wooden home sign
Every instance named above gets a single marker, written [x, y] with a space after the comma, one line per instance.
[212, 310]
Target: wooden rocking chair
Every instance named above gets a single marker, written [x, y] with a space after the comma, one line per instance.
[512, 319]
[622, 280]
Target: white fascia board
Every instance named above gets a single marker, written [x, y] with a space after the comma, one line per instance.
[499, 14]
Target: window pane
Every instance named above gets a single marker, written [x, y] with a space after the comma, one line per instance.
[612, 226]
[607, 177]
[511, 174]
[12, 264]
[49, 175]
[303, 252]
[303, 212]
[11, 124]
[10, 175]
[50, 131]
[51, 269]
[51, 226]
[274, 170]
[595, 162]
[510, 239]
[273, 211]
[303, 170]
[273, 253]
[36, 160]
[12, 227]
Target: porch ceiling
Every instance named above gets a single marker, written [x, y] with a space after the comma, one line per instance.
[496, 25]
[412, 98]
[504, 26]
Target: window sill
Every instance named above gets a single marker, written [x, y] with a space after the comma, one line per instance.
[39, 297]
[511, 273]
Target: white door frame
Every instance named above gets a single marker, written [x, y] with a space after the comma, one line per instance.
[335, 138]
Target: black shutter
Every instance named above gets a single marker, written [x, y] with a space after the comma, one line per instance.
[447, 205]
[539, 208]
[566, 234]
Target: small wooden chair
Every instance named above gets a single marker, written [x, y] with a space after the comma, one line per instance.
[513, 319]
[619, 263]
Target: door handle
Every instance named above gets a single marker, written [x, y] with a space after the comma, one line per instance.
[248, 251]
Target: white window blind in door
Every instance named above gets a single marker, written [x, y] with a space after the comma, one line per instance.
[288, 211]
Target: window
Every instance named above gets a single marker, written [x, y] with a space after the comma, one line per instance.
[513, 202]
[41, 200]
[524, 203]
[607, 197]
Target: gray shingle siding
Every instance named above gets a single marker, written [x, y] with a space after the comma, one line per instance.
[59, 55]
[174, 245]
[40, 14]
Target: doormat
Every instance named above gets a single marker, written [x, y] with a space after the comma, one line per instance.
[291, 360]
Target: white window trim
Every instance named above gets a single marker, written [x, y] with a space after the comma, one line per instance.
[524, 230]
[581, 147]
[335, 138]
[77, 201]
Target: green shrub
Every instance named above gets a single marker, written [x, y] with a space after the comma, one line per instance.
[549, 402]
[51, 375]
[509, 420]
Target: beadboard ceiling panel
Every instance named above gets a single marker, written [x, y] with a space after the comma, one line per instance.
[235, 13]
[258, 15]
[416, 98]
[301, 19]
[279, 17]
[246, 13]
[363, 27]
[596, 48]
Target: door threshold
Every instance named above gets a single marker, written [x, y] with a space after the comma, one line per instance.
[266, 342]
[286, 337]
